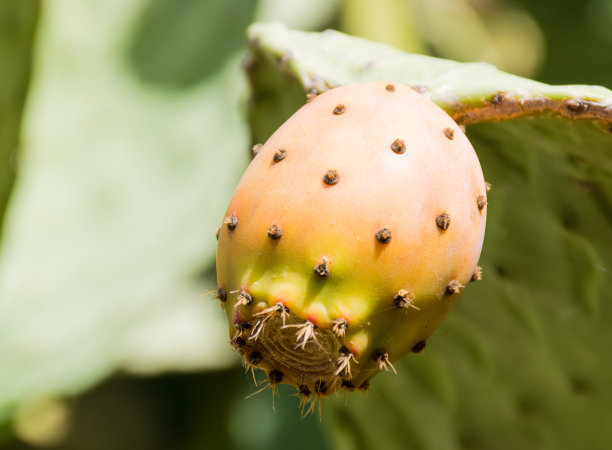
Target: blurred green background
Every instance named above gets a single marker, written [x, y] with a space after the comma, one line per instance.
[123, 131]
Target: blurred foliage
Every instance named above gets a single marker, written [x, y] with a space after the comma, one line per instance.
[390, 22]
[197, 39]
[120, 190]
[133, 139]
[185, 412]
[577, 40]
[557, 42]
[17, 25]
[298, 14]
[498, 32]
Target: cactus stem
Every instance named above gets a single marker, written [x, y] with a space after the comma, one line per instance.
[449, 133]
[279, 155]
[344, 362]
[231, 221]
[382, 358]
[453, 287]
[322, 269]
[339, 327]
[443, 221]
[398, 146]
[339, 109]
[331, 177]
[275, 232]
[383, 235]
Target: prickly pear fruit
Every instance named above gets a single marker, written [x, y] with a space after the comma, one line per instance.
[350, 237]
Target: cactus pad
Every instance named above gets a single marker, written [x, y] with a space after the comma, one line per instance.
[523, 360]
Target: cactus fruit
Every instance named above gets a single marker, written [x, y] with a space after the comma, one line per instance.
[350, 237]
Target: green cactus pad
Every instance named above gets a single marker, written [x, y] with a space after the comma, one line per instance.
[523, 361]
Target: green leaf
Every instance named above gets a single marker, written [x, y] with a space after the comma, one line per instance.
[523, 361]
